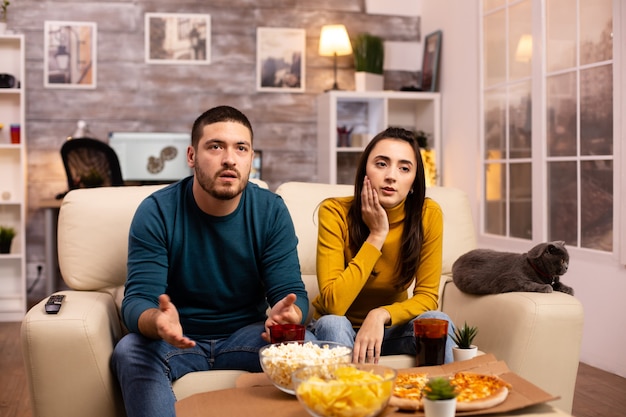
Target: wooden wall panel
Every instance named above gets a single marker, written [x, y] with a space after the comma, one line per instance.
[134, 96]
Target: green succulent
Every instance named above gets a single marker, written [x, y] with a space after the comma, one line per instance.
[464, 336]
[439, 388]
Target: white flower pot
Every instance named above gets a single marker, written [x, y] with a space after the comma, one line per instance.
[366, 81]
[439, 408]
[460, 354]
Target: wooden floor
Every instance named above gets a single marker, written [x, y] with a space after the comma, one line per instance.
[598, 393]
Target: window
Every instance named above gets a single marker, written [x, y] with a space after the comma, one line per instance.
[507, 50]
[564, 148]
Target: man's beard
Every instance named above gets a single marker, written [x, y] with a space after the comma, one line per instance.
[208, 184]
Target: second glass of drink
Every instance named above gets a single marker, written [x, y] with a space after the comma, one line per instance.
[430, 340]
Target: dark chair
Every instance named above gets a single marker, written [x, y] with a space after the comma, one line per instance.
[90, 163]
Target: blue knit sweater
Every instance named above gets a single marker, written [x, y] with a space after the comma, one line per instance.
[220, 272]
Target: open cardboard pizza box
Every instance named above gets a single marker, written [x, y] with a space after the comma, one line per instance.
[255, 394]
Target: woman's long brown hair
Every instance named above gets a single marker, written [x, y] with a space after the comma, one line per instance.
[413, 233]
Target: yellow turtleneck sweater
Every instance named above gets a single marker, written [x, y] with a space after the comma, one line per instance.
[347, 287]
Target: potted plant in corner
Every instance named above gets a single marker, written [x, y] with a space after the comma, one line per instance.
[4, 5]
[439, 398]
[369, 54]
[464, 338]
[6, 237]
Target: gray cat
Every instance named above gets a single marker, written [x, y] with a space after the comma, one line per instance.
[485, 271]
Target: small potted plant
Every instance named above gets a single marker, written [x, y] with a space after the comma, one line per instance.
[464, 339]
[369, 54]
[4, 6]
[6, 237]
[439, 397]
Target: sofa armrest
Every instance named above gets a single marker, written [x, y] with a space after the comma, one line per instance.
[67, 356]
[538, 335]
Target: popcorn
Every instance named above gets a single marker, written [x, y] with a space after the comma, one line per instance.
[279, 361]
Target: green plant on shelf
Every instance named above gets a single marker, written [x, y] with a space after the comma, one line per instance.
[6, 237]
[369, 53]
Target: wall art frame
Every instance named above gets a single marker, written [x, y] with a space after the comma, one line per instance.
[281, 55]
[430, 62]
[177, 38]
[71, 54]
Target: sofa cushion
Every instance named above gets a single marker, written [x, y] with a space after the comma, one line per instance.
[93, 235]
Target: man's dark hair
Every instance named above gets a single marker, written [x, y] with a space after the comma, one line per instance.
[216, 115]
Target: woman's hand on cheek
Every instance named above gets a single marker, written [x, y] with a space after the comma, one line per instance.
[374, 215]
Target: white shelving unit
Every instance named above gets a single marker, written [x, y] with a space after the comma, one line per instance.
[12, 180]
[367, 114]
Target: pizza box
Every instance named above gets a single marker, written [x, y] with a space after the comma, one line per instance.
[255, 395]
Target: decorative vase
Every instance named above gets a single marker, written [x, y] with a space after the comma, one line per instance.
[461, 354]
[3, 28]
[439, 408]
[367, 81]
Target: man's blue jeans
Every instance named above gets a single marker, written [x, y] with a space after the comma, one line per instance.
[146, 368]
[396, 340]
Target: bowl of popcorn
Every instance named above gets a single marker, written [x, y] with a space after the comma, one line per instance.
[280, 360]
[346, 390]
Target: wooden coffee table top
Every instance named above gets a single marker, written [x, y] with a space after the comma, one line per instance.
[255, 395]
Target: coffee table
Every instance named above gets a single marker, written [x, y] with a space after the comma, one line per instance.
[254, 394]
[268, 400]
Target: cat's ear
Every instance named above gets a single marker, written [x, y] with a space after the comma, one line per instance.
[553, 249]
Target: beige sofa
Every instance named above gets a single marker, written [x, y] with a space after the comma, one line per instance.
[67, 355]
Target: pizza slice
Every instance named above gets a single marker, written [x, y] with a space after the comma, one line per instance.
[407, 393]
[479, 391]
[475, 391]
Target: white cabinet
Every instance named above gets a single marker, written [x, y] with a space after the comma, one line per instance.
[366, 114]
[12, 178]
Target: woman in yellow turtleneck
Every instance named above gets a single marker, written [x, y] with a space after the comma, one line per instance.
[373, 246]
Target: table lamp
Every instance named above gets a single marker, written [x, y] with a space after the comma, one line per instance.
[334, 41]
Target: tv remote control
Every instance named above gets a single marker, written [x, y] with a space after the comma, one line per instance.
[53, 305]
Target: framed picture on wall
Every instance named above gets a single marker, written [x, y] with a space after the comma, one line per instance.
[70, 58]
[430, 62]
[177, 38]
[280, 61]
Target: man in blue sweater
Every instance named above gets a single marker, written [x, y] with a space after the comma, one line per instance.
[206, 257]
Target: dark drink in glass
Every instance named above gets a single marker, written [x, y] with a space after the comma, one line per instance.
[430, 341]
[431, 351]
[286, 333]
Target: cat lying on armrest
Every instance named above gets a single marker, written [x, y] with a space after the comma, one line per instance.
[486, 271]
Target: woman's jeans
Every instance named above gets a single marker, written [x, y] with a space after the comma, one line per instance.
[397, 340]
[146, 368]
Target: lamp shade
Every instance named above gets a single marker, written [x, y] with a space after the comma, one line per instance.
[334, 40]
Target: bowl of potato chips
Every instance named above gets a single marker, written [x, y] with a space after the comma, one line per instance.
[344, 390]
[280, 360]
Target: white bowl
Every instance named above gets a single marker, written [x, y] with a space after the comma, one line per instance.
[347, 390]
[280, 360]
